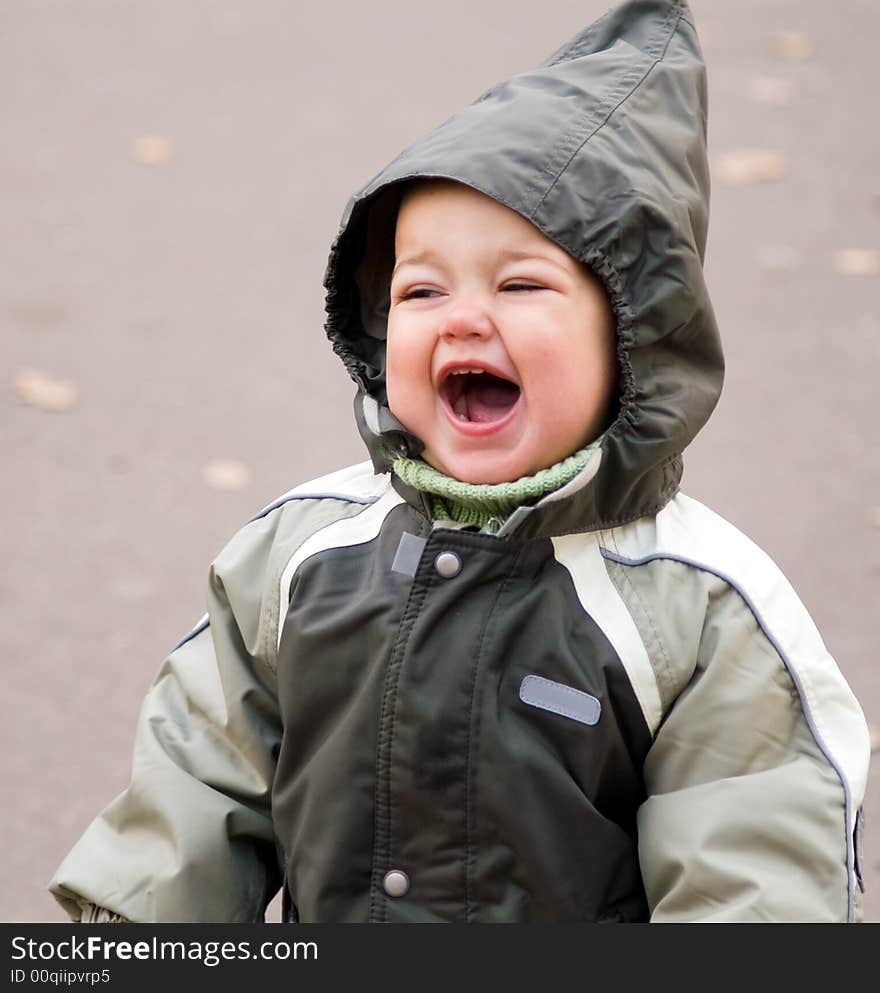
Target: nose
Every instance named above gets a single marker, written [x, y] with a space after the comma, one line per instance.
[467, 319]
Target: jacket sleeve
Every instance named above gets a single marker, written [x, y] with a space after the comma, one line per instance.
[757, 772]
[191, 838]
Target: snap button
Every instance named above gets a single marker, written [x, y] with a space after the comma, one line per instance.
[447, 564]
[395, 883]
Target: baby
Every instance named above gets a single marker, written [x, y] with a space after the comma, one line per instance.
[505, 671]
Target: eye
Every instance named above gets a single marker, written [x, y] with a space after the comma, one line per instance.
[519, 286]
[416, 293]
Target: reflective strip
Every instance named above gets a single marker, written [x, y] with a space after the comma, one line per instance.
[356, 483]
[409, 553]
[683, 531]
[340, 534]
[352, 482]
[582, 557]
[200, 626]
[558, 698]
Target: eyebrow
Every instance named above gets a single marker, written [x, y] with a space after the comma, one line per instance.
[510, 255]
[415, 259]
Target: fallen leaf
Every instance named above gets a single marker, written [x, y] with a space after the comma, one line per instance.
[857, 262]
[39, 389]
[780, 258]
[793, 46]
[770, 90]
[152, 150]
[747, 166]
[874, 731]
[226, 474]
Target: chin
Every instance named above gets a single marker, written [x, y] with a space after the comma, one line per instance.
[480, 470]
[484, 478]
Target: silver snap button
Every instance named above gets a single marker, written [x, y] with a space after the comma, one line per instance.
[395, 883]
[447, 564]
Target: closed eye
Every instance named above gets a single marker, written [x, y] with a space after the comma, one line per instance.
[521, 287]
[418, 293]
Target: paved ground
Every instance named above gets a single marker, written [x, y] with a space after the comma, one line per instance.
[170, 180]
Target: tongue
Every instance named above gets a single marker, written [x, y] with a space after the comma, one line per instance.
[489, 399]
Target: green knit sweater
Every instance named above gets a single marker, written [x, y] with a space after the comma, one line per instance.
[488, 505]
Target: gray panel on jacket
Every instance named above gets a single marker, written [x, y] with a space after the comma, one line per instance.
[409, 551]
[560, 699]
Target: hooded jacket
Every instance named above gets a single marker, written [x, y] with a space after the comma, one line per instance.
[613, 709]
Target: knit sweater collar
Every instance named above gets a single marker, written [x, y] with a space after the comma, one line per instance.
[487, 505]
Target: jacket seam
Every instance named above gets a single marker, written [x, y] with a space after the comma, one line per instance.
[201, 625]
[611, 537]
[575, 50]
[383, 794]
[795, 678]
[281, 501]
[664, 662]
[273, 626]
[204, 623]
[670, 23]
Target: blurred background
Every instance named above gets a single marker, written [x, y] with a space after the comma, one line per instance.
[171, 178]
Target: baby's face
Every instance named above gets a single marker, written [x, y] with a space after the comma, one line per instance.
[500, 345]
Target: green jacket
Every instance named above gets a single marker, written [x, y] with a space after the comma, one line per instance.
[615, 708]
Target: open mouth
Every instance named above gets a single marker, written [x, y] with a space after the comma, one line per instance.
[478, 396]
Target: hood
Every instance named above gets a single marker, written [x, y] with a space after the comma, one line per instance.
[603, 148]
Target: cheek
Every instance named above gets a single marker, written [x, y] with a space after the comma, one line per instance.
[395, 381]
[395, 358]
[572, 381]
[405, 375]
